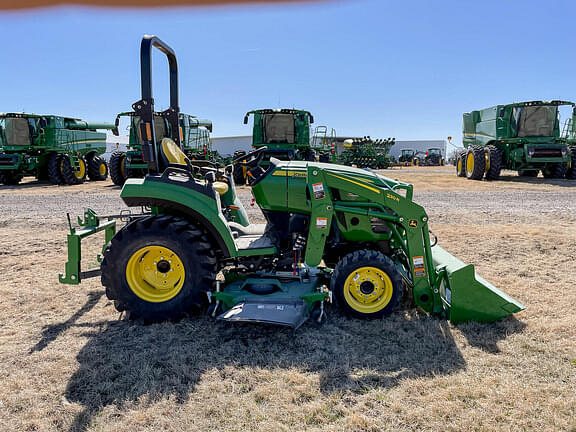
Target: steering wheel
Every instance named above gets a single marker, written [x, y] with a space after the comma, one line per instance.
[251, 159]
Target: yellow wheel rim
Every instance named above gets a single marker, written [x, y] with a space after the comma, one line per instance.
[487, 156]
[80, 170]
[459, 165]
[155, 274]
[470, 163]
[368, 290]
[102, 168]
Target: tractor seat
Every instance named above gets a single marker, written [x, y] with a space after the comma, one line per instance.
[250, 230]
[173, 155]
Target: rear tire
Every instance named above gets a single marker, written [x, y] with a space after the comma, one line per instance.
[11, 178]
[118, 171]
[158, 268]
[554, 171]
[460, 167]
[73, 175]
[54, 175]
[366, 284]
[494, 160]
[571, 172]
[475, 163]
[97, 169]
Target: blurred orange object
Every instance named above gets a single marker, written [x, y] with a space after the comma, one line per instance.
[24, 4]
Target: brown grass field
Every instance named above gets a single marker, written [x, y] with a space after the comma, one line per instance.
[67, 363]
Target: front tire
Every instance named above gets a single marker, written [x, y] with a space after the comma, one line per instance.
[494, 161]
[158, 268]
[571, 172]
[53, 165]
[554, 171]
[76, 174]
[118, 171]
[367, 285]
[97, 169]
[475, 163]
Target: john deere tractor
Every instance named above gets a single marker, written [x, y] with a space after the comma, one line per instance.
[195, 143]
[433, 157]
[331, 233]
[62, 150]
[408, 157]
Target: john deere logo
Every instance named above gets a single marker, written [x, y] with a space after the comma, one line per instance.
[413, 223]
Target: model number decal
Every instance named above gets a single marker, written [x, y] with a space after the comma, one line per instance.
[395, 198]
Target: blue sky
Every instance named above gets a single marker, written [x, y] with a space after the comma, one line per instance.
[368, 67]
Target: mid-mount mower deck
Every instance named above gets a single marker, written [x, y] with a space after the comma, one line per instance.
[331, 231]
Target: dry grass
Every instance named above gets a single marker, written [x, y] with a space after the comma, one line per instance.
[68, 363]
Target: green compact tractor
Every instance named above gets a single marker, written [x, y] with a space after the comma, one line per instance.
[332, 233]
[523, 137]
[62, 150]
[367, 153]
[195, 138]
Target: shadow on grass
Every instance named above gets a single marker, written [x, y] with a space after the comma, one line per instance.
[124, 361]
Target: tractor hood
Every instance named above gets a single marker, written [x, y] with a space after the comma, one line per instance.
[365, 176]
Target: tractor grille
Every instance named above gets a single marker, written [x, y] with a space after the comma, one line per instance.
[8, 160]
[536, 152]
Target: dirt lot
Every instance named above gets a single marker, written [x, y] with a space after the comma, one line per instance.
[68, 363]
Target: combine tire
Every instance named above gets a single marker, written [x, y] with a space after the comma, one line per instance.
[493, 162]
[528, 173]
[118, 171]
[158, 268]
[475, 163]
[571, 172]
[76, 174]
[460, 164]
[54, 175]
[367, 284]
[554, 171]
[11, 178]
[97, 169]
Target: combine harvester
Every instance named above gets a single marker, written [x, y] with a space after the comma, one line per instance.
[195, 134]
[332, 232]
[62, 150]
[523, 137]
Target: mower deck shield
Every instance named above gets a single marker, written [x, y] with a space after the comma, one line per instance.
[466, 296]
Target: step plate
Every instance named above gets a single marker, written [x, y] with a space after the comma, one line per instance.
[290, 314]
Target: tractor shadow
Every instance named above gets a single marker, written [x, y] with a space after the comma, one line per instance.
[537, 181]
[124, 361]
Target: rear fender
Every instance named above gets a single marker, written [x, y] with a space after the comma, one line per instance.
[191, 199]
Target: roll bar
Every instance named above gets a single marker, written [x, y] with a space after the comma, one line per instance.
[144, 108]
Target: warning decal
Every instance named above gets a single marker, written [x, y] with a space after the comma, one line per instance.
[321, 222]
[419, 269]
[318, 189]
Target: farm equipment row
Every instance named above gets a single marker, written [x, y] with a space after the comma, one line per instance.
[332, 233]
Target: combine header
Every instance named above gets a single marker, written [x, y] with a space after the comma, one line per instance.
[62, 150]
[332, 233]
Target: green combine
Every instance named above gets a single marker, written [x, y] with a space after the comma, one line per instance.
[524, 137]
[332, 233]
[195, 135]
[62, 150]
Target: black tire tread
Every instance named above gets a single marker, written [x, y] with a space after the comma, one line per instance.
[112, 276]
[373, 258]
[53, 166]
[495, 155]
[479, 163]
[68, 171]
[115, 168]
[94, 169]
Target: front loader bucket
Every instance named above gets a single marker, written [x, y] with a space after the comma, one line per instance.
[466, 296]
